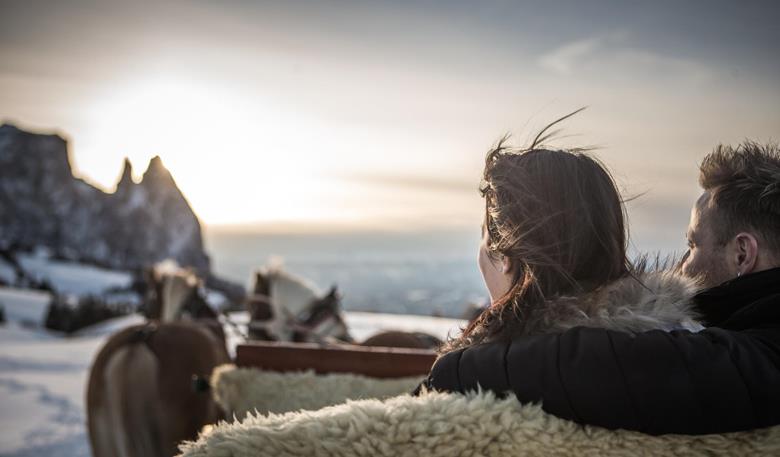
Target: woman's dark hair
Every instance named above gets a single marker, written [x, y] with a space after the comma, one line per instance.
[559, 218]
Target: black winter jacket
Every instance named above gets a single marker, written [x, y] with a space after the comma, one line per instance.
[725, 378]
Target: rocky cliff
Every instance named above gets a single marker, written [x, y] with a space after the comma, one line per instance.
[43, 204]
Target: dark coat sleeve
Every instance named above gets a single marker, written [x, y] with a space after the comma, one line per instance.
[656, 382]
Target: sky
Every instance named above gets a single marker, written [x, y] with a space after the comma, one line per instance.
[377, 115]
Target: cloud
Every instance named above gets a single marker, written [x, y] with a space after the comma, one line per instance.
[612, 55]
[564, 59]
[414, 182]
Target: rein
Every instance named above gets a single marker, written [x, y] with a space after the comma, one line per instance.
[234, 326]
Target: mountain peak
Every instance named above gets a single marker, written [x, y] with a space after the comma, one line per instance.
[40, 151]
[156, 172]
[7, 127]
[155, 164]
[126, 179]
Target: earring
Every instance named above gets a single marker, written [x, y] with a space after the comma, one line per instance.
[739, 273]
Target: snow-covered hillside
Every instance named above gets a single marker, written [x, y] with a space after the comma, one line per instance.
[72, 278]
[27, 307]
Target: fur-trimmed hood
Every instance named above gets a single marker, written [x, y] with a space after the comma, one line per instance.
[658, 300]
[639, 302]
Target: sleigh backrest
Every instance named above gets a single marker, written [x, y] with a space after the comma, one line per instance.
[374, 362]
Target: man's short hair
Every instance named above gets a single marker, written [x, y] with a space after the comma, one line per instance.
[744, 187]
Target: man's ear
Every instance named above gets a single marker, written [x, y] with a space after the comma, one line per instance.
[746, 252]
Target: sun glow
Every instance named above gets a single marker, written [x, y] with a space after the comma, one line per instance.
[234, 158]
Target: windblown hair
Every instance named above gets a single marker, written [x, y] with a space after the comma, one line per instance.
[744, 186]
[559, 218]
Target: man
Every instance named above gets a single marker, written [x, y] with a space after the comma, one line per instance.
[725, 378]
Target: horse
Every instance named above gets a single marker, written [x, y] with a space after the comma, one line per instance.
[284, 307]
[399, 339]
[141, 398]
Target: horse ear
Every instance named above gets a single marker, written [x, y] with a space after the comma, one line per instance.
[261, 283]
[333, 292]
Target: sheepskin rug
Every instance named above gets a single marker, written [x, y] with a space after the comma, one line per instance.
[243, 390]
[448, 425]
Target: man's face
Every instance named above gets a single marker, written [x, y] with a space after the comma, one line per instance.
[706, 258]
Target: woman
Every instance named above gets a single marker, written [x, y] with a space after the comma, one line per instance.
[553, 251]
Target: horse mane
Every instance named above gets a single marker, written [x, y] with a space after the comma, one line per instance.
[289, 291]
[176, 286]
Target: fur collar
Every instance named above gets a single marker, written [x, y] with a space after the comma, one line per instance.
[646, 300]
[658, 300]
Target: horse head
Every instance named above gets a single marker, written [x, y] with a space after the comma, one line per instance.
[292, 309]
[322, 320]
[174, 293]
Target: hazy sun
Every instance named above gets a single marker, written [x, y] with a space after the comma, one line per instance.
[235, 161]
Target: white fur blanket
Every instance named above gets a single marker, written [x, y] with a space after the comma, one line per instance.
[242, 390]
[448, 425]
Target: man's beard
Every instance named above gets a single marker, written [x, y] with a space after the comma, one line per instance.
[716, 275]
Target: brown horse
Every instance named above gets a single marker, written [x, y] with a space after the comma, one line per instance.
[399, 339]
[141, 398]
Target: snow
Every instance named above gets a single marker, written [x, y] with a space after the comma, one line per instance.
[23, 404]
[43, 376]
[25, 306]
[363, 325]
[72, 277]
[42, 381]
[15, 332]
[110, 326]
[130, 298]
[215, 299]
[7, 272]
[138, 198]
